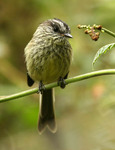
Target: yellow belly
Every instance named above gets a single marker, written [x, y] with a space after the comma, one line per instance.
[52, 69]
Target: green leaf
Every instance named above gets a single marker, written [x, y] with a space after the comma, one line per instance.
[102, 50]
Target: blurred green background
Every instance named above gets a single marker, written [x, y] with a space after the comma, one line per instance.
[85, 111]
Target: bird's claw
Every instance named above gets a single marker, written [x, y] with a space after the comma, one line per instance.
[61, 82]
[41, 87]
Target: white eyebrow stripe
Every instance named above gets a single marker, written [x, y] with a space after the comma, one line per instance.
[61, 24]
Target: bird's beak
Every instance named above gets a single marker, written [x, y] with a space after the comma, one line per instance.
[68, 35]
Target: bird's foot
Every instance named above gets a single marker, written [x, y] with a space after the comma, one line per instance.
[61, 82]
[41, 87]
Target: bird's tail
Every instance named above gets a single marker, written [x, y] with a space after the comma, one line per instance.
[46, 115]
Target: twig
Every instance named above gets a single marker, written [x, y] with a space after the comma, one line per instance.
[52, 85]
[109, 32]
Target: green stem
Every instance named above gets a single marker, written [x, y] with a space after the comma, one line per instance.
[52, 85]
[109, 32]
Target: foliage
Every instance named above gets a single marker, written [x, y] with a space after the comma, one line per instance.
[91, 30]
[103, 50]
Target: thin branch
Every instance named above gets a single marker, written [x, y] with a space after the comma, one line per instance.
[52, 85]
[109, 32]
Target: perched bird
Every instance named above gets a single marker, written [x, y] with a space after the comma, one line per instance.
[48, 58]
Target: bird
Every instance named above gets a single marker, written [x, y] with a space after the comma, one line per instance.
[48, 57]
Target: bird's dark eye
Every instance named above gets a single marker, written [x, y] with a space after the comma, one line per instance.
[56, 28]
